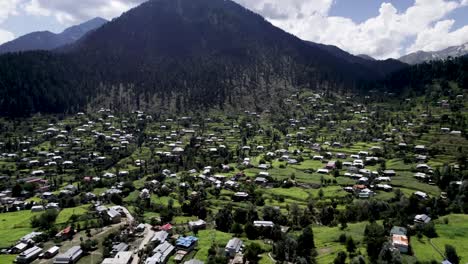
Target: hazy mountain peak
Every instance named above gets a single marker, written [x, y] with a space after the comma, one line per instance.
[423, 56]
[46, 40]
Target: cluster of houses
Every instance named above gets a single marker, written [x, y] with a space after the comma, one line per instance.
[76, 146]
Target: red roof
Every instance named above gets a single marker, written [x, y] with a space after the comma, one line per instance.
[166, 227]
[66, 230]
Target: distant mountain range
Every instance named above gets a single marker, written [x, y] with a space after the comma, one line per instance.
[46, 40]
[423, 56]
[180, 55]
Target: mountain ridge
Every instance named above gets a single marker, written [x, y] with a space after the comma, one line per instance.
[46, 40]
[424, 56]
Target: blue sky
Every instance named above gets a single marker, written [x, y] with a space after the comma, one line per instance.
[378, 28]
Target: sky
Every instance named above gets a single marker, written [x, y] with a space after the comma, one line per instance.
[381, 29]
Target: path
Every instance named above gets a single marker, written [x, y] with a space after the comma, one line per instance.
[437, 249]
[149, 233]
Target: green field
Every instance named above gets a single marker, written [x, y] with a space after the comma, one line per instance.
[13, 226]
[4, 259]
[328, 245]
[206, 238]
[454, 233]
[66, 213]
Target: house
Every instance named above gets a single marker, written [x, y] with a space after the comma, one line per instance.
[263, 224]
[54, 206]
[187, 243]
[261, 180]
[340, 155]
[400, 242]
[323, 171]
[422, 219]
[398, 230]
[179, 255]
[240, 196]
[233, 247]
[161, 253]
[29, 238]
[389, 173]
[37, 208]
[29, 255]
[420, 175]
[421, 195]
[331, 165]
[20, 247]
[384, 187]
[166, 227]
[194, 261]
[113, 216]
[159, 237]
[420, 148]
[197, 225]
[65, 234]
[365, 194]
[70, 257]
[119, 248]
[51, 252]
[123, 257]
[140, 228]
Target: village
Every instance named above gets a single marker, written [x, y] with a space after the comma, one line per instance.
[120, 188]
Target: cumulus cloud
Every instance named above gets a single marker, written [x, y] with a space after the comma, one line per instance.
[382, 36]
[71, 11]
[439, 37]
[5, 36]
[7, 8]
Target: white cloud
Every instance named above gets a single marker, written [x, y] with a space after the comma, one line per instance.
[440, 37]
[5, 36]
[72, 11]
[382, 36]
[7, 8]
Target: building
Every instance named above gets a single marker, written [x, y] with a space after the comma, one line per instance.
[263, 224]
[113, 216]
[421, 195]
[233, 247]
[240, 196]
[194, 261]
[161, 253]
[398, 230]
[29, 238]
[70, 257]
[65, 234]
[140, 228]
[37, 208]
[400, 242]
[29, 255]
[19, 248]
[199, 224]
[160, 236]
[123, 257]
[51, 252]
[187, 243]
[422, 219]
[119, 248]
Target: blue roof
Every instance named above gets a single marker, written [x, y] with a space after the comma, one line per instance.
[186, 241]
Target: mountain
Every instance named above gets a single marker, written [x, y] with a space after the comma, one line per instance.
[366, 57]
[180, 55]
[45, 40]
[379, 69]
[423, 56]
